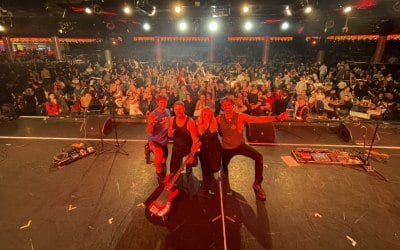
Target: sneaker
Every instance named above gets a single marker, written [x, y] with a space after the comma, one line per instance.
[259, 191]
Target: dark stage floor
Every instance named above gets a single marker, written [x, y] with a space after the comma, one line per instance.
[98, 202]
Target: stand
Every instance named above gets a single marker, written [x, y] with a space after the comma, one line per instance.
[83, 125]
[117, 147]
[366, 165]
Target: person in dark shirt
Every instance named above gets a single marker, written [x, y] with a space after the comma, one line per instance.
[280, 105]
[40, 98]
[190, 105]
[344, 106]
[148, 104]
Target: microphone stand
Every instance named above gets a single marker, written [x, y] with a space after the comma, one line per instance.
[117, 146]
[366, 164]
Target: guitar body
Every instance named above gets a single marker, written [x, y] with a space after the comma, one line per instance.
[162, 205]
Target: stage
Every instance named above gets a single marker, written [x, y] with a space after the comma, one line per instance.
[98, 202]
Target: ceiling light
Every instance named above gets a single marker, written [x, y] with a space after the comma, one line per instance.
[308, 10]
[248, 26]
[146, 7]
[127, 9]
[347, 9]
[213, 26]
[285, 26]
[178, 9]
[146, 26]
[287, 11]
[183, 26]
[245, 9]
[2, 28]
[88, 10]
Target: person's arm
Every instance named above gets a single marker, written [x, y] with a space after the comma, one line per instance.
[151, 119]
[260, 119]
[191, 126]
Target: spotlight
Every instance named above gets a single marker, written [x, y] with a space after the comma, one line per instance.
[308, 10]
[60, 31]
[146, 7]
[287, 11]
[347, 9]
[248, 25]
[178, 9]
[97, 9]
[285, 26]
[2, 28]
[183, 26]
[146, 26]
[213, 26]
[245, 9]
[127, 9]
[88, 10]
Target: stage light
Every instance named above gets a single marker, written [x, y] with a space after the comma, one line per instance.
[60, 31]
[88, 10]
[178, 9]
[347, 9]
[97, 9]
[308, 10]
[146, 26]
[2, 28]
[285, 26]
[248, 25]
[146, 7]
[183, 26]
[213, 26]
[287, 11]
[245, 9]
[127, 9]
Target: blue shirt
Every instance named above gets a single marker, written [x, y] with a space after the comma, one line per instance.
[160, 133]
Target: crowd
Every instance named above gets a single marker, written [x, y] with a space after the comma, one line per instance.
[128, 87]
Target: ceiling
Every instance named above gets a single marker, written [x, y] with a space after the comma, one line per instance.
[46, 17]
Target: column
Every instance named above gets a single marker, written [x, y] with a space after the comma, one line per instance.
[57, 48]
[8, 48]
[380, 48]
[157, 43]
[211, 48]
[265, 51]
[320, 56]
[107, 56]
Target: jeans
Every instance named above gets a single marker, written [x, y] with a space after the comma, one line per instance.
[248, 151]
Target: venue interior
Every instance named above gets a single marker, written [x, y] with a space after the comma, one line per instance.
[316, 84]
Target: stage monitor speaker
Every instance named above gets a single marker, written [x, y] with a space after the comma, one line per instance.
[260, 132]
[357, 133]
[96, 124]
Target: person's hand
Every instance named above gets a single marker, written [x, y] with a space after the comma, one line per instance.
[171, 132]
[189, 159]
[165, 123]
[282, 116]
[151, 117]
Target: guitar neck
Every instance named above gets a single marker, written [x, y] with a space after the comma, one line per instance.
[172, 181]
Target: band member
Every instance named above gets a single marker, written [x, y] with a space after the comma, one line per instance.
[157, 128]
[233, 143]
[184, 134]
[210, 149]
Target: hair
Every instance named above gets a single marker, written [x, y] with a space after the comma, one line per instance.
[227, 99]
[177, 103]
[161, 97]
[213, 122]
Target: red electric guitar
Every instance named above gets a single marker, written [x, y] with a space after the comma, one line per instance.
[162, 205]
